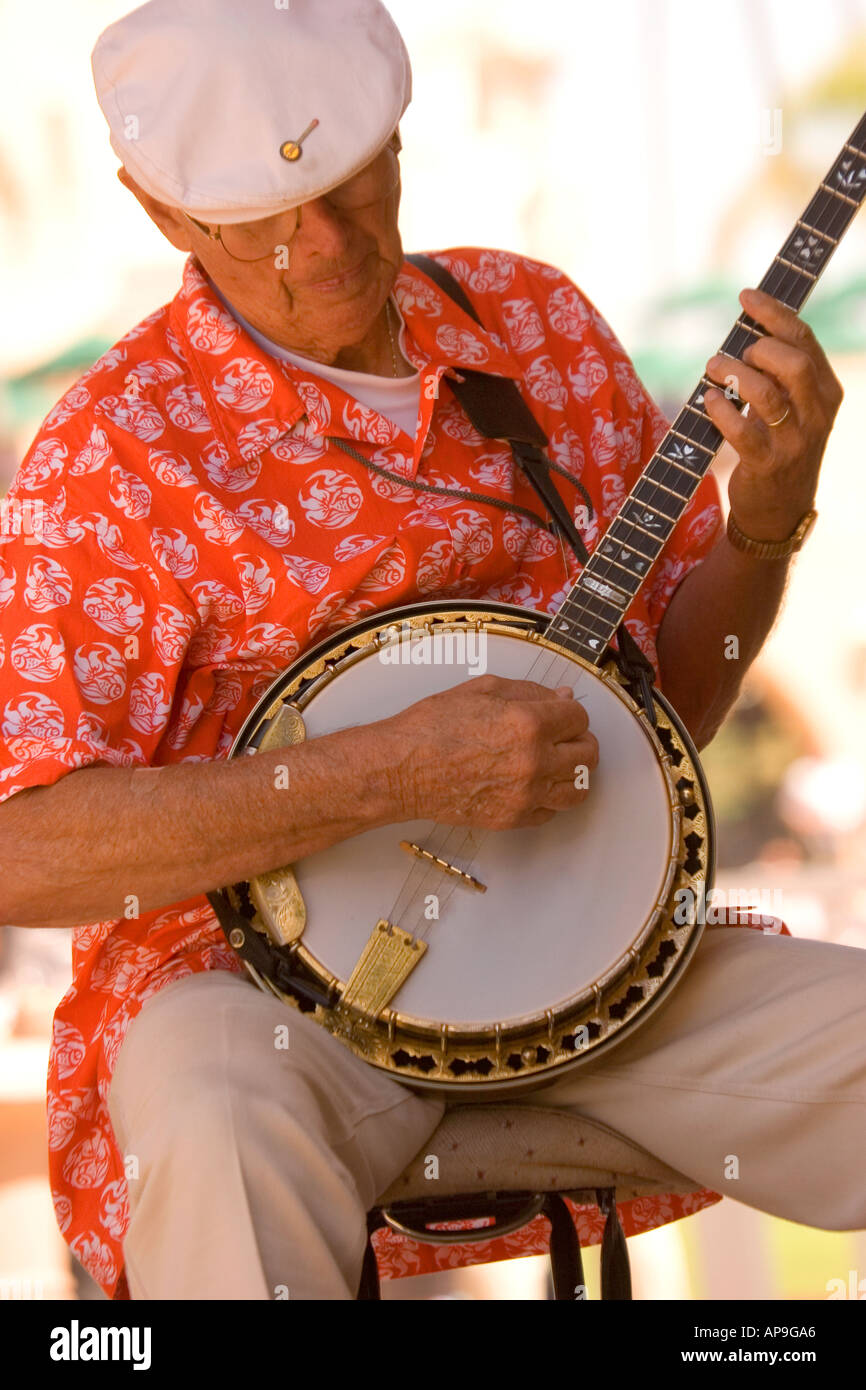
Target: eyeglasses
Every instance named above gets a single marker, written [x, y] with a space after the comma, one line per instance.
[259, 240]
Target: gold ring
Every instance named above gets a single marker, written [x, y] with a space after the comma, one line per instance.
[771, 424]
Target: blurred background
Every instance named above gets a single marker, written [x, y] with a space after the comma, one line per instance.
[658, 151]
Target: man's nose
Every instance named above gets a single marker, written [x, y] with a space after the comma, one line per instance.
[322, 228]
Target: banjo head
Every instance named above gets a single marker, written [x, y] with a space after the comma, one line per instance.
[532, 949]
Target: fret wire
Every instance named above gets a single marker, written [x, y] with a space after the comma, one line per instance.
[671, 463]
[624, 545]
[569, 637]
[582, 602]
[601, 635]
[587, 627]
[708, 431]
[825, 236]
[829, 210]
[601, 638]
[608, 560]
[652, 506]
[564, 625]
[640, 577]
[708, 386]
[780, 291]
[596, 602]
[836, 194]
[838, 221]
[696, 410]
[706, 421]
[593, 603]
[564, 620]
[689, 440]
[741, 328]
[591, 623]
[620, 520]
[834, 213]
[658, 471]
[752, 328]
[851, 145]
[637, 525]
[598, 571]
[799, 270]
[838, 225]
[777, 283]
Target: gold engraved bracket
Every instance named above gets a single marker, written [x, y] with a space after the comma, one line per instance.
[276, 895]
[386, 960]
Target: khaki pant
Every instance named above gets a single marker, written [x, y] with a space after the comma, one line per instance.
[257, 1164]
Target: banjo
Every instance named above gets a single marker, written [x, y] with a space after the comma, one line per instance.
[477, 963]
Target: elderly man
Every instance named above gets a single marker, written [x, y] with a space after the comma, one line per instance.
[207, 513]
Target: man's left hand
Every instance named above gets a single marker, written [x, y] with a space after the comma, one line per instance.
[774, 483]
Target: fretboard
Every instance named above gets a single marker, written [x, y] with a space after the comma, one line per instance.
[621, 562]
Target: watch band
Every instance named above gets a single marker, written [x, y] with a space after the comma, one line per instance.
[771, 550]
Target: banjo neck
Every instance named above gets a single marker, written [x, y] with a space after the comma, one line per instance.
[594, 608]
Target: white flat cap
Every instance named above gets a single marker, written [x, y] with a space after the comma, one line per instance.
[209, 102]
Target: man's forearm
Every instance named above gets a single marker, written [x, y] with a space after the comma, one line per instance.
[79, 850]
[728, 596]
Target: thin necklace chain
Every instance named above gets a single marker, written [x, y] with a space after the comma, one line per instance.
[391, 335]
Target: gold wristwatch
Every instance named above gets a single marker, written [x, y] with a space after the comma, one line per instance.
[771, 550]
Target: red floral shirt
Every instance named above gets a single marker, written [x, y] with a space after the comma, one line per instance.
[196, 531]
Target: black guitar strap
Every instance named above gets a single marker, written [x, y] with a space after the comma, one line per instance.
[497, 410]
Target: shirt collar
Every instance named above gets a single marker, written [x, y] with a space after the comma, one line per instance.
[440, 337]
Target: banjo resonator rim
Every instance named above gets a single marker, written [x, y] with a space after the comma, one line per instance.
[463, 1059]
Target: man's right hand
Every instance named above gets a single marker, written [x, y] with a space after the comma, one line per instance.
[492, 753]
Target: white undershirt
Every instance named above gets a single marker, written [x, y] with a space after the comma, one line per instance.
[397, 398]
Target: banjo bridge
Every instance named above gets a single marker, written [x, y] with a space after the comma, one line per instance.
[444, 865]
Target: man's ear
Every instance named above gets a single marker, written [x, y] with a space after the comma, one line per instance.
[170, 221]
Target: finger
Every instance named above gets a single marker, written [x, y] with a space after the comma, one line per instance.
[795, 373]
[746, 382]
[563, 796]
[785, 325]
[507, 689]
[566, 779]
[561, 721]
[750, 437]
[540, 816]
[568, 759]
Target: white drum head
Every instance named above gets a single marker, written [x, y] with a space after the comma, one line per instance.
[564, 902]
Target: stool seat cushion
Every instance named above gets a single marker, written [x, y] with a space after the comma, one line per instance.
[502, 1147]
[516, 1147]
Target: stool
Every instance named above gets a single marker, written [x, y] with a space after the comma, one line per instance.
[515, 1162]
